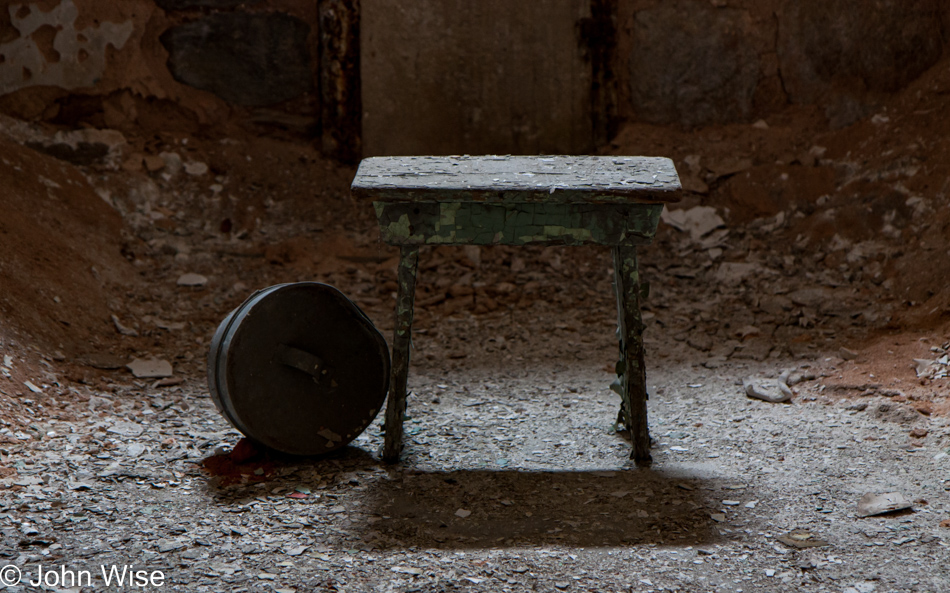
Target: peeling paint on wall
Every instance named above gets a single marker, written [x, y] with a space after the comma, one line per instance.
[51, 51]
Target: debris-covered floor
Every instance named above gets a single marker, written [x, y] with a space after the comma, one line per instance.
[514, 478]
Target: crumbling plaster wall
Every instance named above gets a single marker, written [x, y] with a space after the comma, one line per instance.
[447, 76]
[105, 63]
[51, 51]
[697, 62]
[451, 76]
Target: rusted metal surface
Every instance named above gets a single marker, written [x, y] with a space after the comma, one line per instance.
[299, 368]
[402, 339]
[519, 179]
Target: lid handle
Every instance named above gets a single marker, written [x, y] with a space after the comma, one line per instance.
[301, 360]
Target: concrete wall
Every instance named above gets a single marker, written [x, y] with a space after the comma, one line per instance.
[456, 76]
[696, 62]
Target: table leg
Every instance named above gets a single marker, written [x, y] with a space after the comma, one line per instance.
[396, 406]
[633, 382]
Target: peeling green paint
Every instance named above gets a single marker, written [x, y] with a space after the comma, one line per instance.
[447, 213]
[613, 201]
[631, 365]
[458, 223]
[402, 228]
[396, 402]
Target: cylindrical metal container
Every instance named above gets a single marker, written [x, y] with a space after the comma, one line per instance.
[299, 368]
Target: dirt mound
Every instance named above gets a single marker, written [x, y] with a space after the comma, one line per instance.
[869, 200]
[62, 268]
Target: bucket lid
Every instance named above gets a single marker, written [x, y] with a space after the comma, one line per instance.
[299, 368]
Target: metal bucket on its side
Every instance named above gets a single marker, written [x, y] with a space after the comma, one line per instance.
[299, 368]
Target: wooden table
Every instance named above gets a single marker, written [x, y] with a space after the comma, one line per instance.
[519, 200]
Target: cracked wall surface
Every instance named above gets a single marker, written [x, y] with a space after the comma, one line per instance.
[448, 77]
[701, 62]
[103, 64]
[51, 50]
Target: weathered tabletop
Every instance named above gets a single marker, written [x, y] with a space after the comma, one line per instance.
[516, 200]
[557, 179]
[520, 200]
